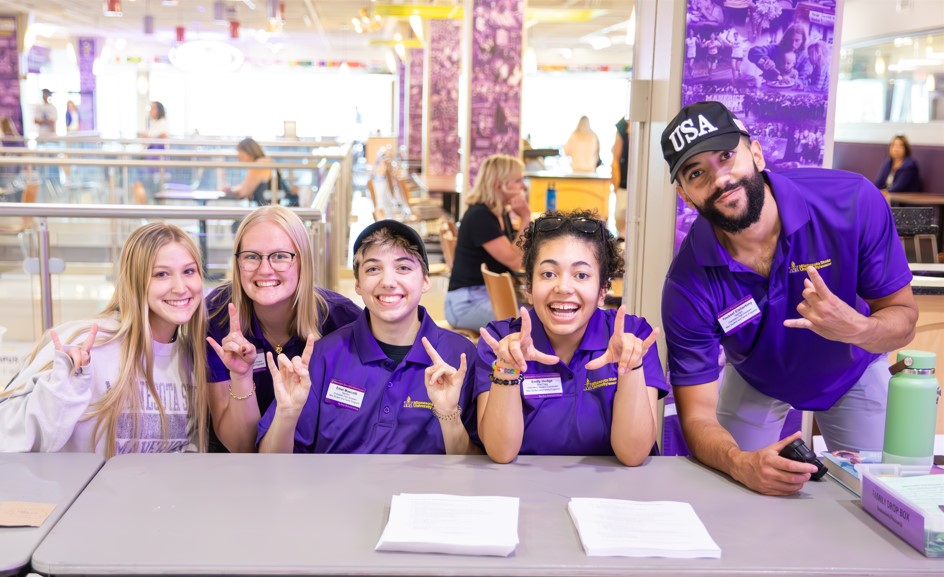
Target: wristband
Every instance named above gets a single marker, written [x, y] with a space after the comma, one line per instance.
[508, 383]
[505, 370]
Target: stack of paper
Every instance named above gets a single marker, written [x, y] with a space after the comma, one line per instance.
[451, 524]
[617, 528]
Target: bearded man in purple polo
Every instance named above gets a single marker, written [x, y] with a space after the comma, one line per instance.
[800, 276]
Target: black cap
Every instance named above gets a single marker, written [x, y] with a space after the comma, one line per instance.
[700, 127]
[47, 92]
[396, 228]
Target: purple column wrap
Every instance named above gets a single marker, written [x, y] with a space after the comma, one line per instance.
[86, 53]
[414, 132]
[442, 104]
[495, 80]
[10, 106]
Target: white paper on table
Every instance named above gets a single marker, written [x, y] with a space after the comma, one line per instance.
[619, 528]
[451, 524]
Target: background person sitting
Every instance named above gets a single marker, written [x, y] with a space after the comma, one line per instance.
[899, 172]
[257, 180]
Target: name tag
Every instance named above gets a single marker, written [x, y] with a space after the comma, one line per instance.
[260, 363]
[542, 386]
[345, 396]
[738, 314]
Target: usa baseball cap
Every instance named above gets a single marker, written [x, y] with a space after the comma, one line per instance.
[398, 229]
[700, 127]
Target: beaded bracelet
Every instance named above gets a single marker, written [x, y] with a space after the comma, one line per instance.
[450, 416]
[505, 370]
[509, 383]
[241, 397]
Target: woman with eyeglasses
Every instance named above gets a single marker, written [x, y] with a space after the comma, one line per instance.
[567, 377]
[486, 235]
[268, 307]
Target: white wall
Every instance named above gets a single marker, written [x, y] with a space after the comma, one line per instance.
[864, 19]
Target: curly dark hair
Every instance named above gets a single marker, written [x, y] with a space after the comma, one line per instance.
[605, 247]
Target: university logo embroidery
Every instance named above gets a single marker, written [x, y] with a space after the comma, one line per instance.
[686, 132]
[798, 268]
[409, 403]
[593, 385]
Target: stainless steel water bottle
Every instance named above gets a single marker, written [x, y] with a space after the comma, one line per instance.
[913, 396]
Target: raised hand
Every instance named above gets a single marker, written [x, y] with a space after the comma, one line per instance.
[624, 348]
[519, 205]
[443, 381]
[516, 349]
[237, 353]
[81, 355]
[765, 471]
[290, 378]
[824, 313]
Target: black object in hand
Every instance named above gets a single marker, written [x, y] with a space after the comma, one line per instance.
[798, 451]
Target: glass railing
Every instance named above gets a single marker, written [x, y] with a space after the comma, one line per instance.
[58, 262]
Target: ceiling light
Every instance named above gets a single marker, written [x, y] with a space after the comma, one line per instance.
[600, 42]
[529, 61]
[631, 28]
[168, 2]
[401, 50]
[344, 68]
[391, 62]
[880, 66]
[929, 82]
[416, 23]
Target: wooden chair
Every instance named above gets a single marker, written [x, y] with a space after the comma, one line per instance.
[501, 291]
[17, 225]
[374, 198]
[447, 240]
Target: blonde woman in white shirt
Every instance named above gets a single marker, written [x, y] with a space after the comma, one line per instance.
[131, 380]
[583, 147]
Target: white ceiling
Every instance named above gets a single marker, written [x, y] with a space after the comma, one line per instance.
[320, 28]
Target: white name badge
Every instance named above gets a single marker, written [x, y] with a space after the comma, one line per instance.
[345, 396]
[260, 363]
[542, 386]
[738, 314]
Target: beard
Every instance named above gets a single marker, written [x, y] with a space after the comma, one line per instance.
[754, 187]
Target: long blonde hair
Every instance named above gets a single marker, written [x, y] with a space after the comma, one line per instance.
[127, 315]
[310, 308]
[494, 172]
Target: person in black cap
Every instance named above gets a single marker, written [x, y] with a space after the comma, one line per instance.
[800, 276]
[46, 115]
[390, 382]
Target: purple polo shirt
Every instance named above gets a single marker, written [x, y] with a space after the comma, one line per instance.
[833, 219]
[577, 422]
[395, 414]
[341, 311]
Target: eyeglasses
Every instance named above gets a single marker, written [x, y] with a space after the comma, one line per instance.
[250, 261]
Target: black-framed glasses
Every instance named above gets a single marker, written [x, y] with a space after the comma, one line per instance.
[280, 260]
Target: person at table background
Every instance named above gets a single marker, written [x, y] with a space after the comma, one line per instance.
[620, 173]
[258, 180]
[272, 304]
[156, 125]
[148, 178]
[800, 277]
[72, 117]
[583, 147]
[46, 115]
[378, 385]
[567, 377]
[486, 235]
[899, 172]
[131, 380]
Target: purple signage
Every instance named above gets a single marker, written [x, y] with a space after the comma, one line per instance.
[442, 110]
[414, 147]
[768, 62]
[401, 104]
[495, 80]
[10, 111]
[36, 58]
[86, 53]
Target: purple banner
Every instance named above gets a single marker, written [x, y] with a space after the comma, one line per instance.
[36, 58]
[495, 80]
[86, 51]
[10, 109]
[442, 125]
[401, 105]
[768, 62]
[414, 148]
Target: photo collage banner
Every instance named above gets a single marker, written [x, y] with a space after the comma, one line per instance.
[11, 115]
[768, 61]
